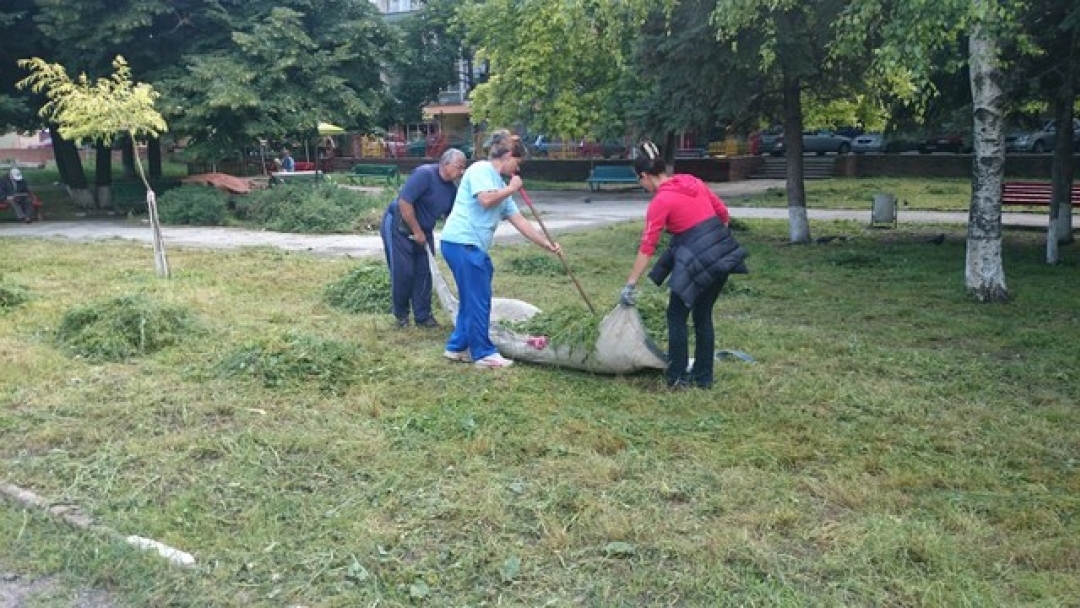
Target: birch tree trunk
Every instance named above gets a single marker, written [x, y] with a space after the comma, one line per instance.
[798, 221]
[161, 260]
[984, 276]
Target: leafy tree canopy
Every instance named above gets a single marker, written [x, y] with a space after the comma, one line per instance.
[555, 65]
[92, 111]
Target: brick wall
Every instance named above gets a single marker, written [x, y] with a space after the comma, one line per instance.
[26, 155]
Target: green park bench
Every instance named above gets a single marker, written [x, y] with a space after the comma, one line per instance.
[611, 174]
[387, 173]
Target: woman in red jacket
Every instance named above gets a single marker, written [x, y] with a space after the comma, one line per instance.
[702, 254]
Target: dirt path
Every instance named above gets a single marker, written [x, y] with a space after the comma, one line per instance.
[562, 212]
[17, 591]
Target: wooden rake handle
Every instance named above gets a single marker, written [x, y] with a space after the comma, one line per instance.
[562, 259]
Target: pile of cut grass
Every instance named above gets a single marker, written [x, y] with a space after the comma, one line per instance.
[117, 328]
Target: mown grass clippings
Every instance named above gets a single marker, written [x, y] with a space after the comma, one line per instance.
[127, 326]
[307, 208]
[364, 290]
[570, 326]
[12, 295]
[293, 360]
[536, 265]
[896, 444]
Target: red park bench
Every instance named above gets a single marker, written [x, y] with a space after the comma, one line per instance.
[4, 205]
[1032, 194]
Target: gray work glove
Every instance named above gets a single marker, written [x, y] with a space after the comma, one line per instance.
[628, 296]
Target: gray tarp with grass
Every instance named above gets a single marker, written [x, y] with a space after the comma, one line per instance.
[622, 345]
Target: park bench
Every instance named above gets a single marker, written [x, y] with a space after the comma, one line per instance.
[296, 177]
[40, 215]
[387, 173]
[303, 165]
[685, 153]
[611, 174]
[1034, 194]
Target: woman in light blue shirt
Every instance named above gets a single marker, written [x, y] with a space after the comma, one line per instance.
[483, 200]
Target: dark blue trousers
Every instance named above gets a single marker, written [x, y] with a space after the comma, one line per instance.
[410, 276]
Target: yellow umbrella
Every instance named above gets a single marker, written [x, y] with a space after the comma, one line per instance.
[326, 128]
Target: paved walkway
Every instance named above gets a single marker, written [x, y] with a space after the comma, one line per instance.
[561, 211]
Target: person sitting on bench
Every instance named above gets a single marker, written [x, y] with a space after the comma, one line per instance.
[288, 165]
[16, 191]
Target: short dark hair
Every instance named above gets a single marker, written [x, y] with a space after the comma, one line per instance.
[649, 161]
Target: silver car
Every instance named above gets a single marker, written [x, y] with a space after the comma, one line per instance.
[1039, 141]
[818, 142]
[868, 142]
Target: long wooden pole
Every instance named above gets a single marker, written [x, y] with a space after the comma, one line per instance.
[566, 266]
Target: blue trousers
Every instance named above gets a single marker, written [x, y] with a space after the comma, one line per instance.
[410, 276]
[704, 338]
[473, 272]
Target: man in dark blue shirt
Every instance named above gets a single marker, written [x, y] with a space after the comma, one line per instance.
[427, 196]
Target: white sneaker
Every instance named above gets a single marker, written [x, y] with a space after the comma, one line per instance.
[460, 356]
[493, 361]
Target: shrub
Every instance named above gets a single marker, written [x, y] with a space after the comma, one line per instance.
[130, 196]
[120, 328]
[306, 208]
[365, 290]
[193, 205]
[292, 360]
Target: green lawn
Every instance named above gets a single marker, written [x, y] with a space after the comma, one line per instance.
[937, 194]
[895, 445]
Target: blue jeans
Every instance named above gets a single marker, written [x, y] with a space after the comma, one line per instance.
[704, 338]
[473, 272]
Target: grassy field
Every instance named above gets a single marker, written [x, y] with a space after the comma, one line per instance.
[936, 194]
[896, 444]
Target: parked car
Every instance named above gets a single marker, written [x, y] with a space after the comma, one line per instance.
[1039, 141]
[817, 142]
[768, 139]
[956, 143]
[868, 142]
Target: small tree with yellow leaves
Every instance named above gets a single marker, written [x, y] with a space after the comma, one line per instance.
[101, 110]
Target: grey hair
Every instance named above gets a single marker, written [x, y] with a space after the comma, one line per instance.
[451, 156]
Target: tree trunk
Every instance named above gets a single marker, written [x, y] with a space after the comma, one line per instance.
[127, 156]
[798, 222]
[69, 165]
[1060, 230]
[984, 275]
[669, 151]
[153, 151]
[103, 175]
